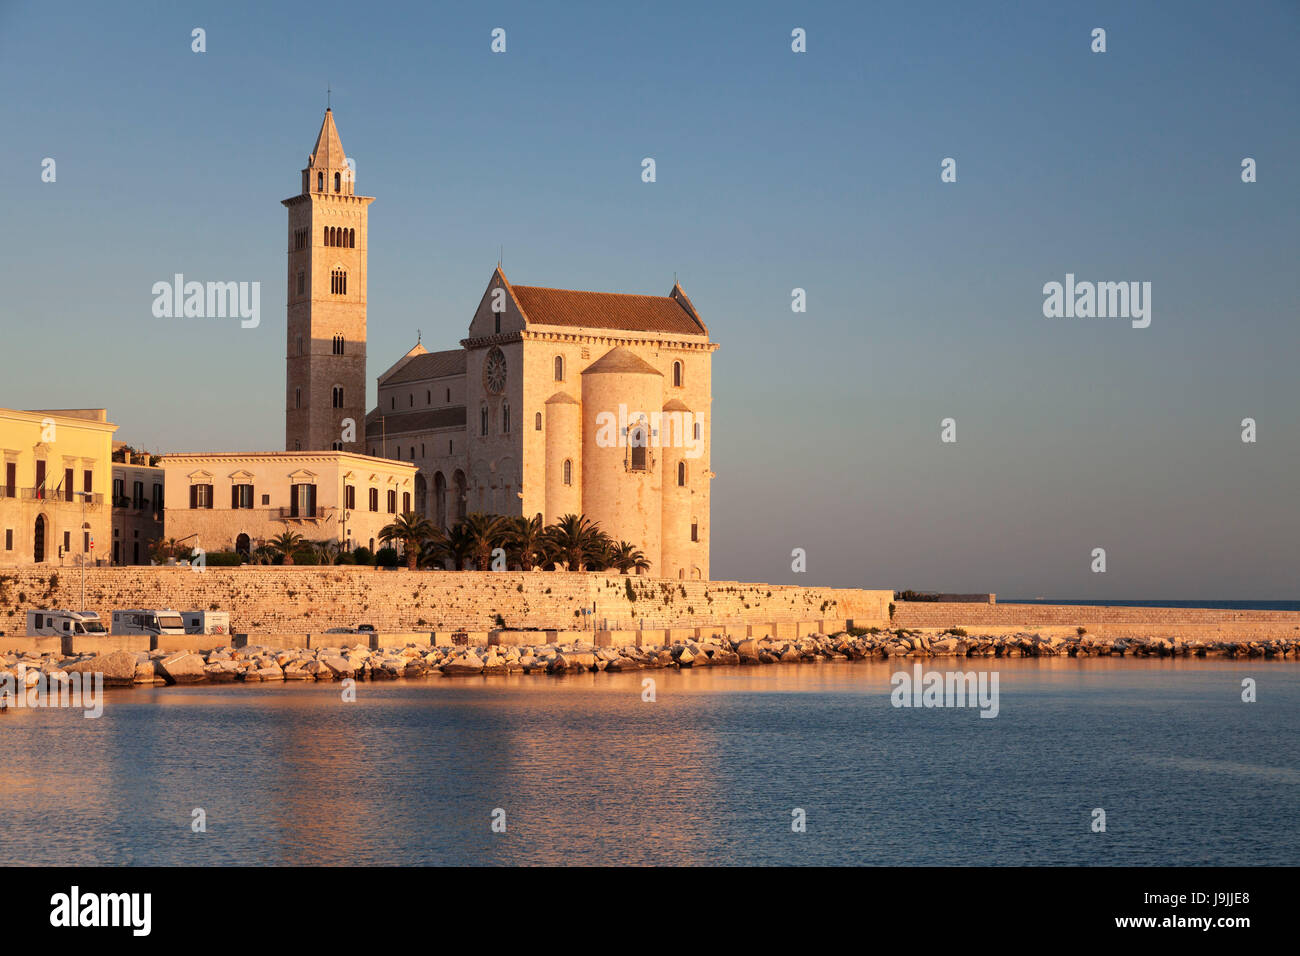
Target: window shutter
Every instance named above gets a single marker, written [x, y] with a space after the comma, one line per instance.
[311, 501]
[194, 496]
[234, 496]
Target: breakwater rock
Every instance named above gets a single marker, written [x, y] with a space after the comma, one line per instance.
[253, 664]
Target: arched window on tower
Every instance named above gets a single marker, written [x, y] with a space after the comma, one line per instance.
[681, 474]
[537, 422]
[338, 396]
[559, 368]
[568, 471]
[505, 418]
[337, 182]
[352, 238]
[483, 420]
[320, 182]
[677, 374]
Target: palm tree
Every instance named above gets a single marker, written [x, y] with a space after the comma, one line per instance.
[328, 550]
[454, 544]
[486, 533]
[286, 543]
[627, 557]
[526, 538]
[575, 539]
[412, 530]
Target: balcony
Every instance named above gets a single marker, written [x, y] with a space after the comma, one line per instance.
[92, 501]
[288, 514]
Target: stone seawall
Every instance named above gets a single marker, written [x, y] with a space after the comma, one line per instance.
[1111, 621]
[314, 599]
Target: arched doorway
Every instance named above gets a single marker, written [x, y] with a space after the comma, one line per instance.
[440, 499]
[38, 539]
[461, 491]
[243, 545]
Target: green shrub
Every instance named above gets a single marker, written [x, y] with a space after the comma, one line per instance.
[224, 559]
[956, 631]
[345, 558]
[386, 557]
[363, 556]
[306, 556]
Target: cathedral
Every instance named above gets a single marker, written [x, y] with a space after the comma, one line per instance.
[555, 402]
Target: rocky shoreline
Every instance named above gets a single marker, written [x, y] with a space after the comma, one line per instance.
[253, 664]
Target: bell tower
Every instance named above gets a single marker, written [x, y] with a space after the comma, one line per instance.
[326, 355]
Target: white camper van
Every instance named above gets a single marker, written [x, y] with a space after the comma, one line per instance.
[206, 622]
[148, 622]
[63, 623]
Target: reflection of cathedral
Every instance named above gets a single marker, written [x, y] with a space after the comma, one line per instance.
[556, 402]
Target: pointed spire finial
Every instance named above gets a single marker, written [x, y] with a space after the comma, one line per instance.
[418, 333]
[328, 91]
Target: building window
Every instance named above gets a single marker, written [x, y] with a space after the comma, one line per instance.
[241, 496]
[302, 501]
[677, 374]
[559, 368]
[337, 182]
[392, 403]
[449, 396]
[200, 496]
[336, 446]
[137, 495]
[320, 182]
[483, 420]
[392, 502]
[681, 474]
[352, 238]
[497, 324]
[568, 471]
[349, 497]
[119, 492]
[338, 345]
[421, 449]
[88, 481]
[428, 396]
[505, 418]
[638, 458]
[68, 490]
[297, 397]
[302, 282]
[697, 431]
[297, 444]
[450, 443]
[410, 400]
[695, 530]
[374, 499]
[339, 282]
[9, 539]
[338, 396]
[11, 479]
[157, 501]
[537, 421]
[406, 502]
[412, 453]
[638, 439]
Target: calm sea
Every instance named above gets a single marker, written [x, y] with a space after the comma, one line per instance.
[586, 771]
[1227, 605]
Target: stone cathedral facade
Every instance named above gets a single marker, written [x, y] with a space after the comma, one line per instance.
[555, 402]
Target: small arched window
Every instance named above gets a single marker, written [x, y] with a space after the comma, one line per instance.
[638, 458]
[410, 400]
[428, 396]
[677, 374]
[483, 420]
[320, 182]
[537, 422]
[505, 417]
[297, 398]
[568, 471]
[352, 238]
[681, 474]
[337, 182]
[559, 368]
[338, 396]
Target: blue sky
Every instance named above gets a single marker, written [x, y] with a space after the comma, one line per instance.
[775, 170]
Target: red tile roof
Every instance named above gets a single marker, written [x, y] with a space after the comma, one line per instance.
[606, 310]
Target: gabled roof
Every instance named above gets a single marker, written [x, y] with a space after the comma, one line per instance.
[622, 361]
[428, 365]
[607, 310]
[329, 149]
[405, 423]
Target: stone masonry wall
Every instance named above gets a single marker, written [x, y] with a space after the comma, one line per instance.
[283, 599]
